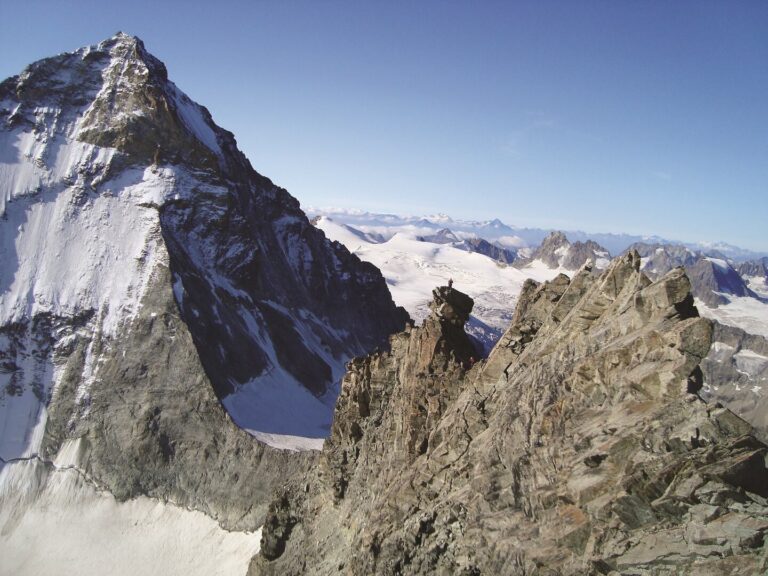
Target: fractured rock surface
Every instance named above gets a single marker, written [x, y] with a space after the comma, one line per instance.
[580, 446]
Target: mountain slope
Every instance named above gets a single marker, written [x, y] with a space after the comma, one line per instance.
[579, 447]
[754, 268]
[736, 374]
[479, 245]
[150, 275]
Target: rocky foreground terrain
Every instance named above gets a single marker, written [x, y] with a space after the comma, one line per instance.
[580, 446]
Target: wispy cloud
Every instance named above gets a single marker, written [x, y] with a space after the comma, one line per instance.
[513, 145]
[540, 119]
[533, 123]
[661, 175]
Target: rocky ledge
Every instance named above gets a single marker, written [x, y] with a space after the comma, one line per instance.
[580, 446]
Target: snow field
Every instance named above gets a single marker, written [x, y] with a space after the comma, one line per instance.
[65, 525]
[413, 268]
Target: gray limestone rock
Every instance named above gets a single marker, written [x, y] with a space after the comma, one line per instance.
[575, 448]
[710, 273]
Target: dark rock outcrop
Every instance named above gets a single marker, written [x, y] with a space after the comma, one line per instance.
[478, 245]
[576, 448]
[481, 246]
[444, 236]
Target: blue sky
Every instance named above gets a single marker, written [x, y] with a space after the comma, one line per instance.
[640, 117]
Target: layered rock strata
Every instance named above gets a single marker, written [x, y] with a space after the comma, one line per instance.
[581, 446]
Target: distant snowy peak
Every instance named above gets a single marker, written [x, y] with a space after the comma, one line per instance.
[498, 233]
[443, 236]
[116, 95]
[557, 252]
[728, 251]
[472, 244]
[713, 278]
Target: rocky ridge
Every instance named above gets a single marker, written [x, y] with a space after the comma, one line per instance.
[581, 446]
[712, 275]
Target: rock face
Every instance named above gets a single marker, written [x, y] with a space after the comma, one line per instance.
[710, 276]
[736, 374]
[579, 447]
[557, 252]
[150, 274]
[756, 268]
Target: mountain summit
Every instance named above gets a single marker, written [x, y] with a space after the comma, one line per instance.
[148, 276]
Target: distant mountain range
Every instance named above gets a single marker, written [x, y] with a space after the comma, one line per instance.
[510, 236]
[728, 287]
[732, 294]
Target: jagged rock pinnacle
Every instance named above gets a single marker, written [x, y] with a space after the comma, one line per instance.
[451, 306]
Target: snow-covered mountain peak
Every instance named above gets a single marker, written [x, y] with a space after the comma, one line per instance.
[119, 197]
[556, 251]
[114, 95]
[124, 41]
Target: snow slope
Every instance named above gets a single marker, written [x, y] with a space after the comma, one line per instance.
[499, 232]
[758, 284]
[749, 314]
[56, 521]
[413, 268]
